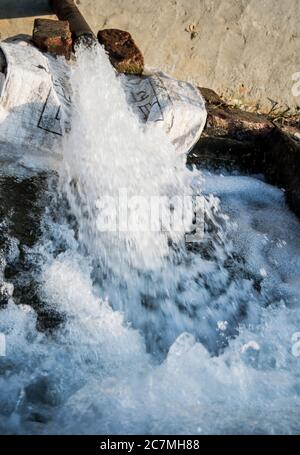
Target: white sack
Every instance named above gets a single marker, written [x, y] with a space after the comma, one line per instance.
[175, 106]
[33, 95]
[35, 101]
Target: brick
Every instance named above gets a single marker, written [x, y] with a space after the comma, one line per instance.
[124, 54]
[53, 36]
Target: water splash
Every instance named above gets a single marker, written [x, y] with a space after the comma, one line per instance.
[152, 340]
[108, 150]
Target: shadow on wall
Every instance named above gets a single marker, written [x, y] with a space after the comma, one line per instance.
[10, 9]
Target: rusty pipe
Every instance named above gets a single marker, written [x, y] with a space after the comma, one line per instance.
[66, 10]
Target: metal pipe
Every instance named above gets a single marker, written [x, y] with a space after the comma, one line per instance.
[66, 10]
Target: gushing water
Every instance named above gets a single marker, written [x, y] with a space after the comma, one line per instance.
[107, 151]
[153, 336]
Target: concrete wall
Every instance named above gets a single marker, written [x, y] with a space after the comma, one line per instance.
[247, 50]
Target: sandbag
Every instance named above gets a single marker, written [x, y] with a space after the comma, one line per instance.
[32, 100]
[175, 106]
[35, 106]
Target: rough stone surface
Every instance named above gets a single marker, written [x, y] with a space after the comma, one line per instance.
[211, 97]
[226, 153]
[223, 120]
[53, 37]
[282, 165]
[234, 139]
[124, 54]
[239, 124]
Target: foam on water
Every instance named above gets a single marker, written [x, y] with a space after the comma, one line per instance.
[154, 339]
